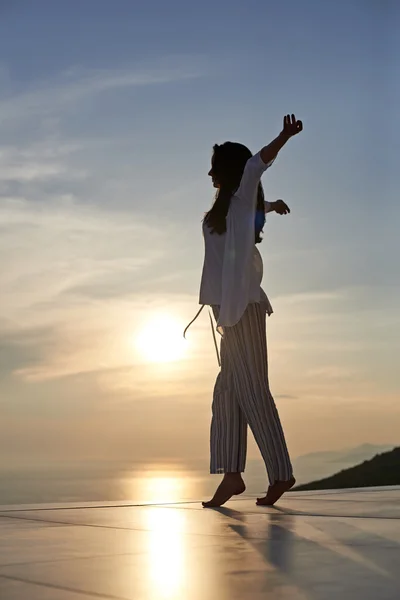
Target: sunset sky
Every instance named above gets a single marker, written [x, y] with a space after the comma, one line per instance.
[108, 114]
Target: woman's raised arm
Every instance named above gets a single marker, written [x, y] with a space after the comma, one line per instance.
[291, 127]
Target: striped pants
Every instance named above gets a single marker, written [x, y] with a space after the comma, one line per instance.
[242, 397]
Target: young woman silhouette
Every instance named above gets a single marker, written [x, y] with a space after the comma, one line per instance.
[231, 285]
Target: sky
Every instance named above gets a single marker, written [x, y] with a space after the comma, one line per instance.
[108, 114]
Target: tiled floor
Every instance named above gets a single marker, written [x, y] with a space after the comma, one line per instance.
[316, 546]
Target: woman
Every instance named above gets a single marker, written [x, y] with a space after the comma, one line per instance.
[230, 284]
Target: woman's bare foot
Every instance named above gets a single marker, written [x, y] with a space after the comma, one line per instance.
[275, 491]
[231, 485]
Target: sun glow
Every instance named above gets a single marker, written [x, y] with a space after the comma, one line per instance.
[161, 340]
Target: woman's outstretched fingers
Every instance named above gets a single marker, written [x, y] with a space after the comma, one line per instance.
[292, 126]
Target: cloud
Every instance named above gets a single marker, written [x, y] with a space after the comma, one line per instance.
[78, 282]
[333, 373]
[37, 162]
[312, 297]
[77, 84]
[24, 348]
[123, 282]
[78, 275]
[36, 133]
[69, 244]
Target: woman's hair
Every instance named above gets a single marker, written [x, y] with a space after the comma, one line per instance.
[227, 166]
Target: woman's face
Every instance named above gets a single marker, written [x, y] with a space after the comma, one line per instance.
[213, 177]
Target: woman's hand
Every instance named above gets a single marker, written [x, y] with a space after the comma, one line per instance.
[291, 126]
[280, 207]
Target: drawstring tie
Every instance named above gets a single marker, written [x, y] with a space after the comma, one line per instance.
[212, 329]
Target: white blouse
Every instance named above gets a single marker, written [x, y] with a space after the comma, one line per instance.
[233, 268]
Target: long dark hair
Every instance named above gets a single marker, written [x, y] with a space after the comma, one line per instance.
[227, 166]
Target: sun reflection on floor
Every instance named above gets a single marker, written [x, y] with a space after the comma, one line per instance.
[166, 565]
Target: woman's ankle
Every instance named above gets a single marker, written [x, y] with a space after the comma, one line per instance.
[233, 475]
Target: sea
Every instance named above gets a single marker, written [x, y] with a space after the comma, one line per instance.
[157, 481]
[135, 482]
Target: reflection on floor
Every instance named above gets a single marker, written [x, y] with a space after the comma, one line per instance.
[316, 546]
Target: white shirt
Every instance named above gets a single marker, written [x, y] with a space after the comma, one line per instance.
[233, 268]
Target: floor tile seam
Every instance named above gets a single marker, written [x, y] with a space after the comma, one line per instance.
[276, 512]
[321, 516]
[333, 543]
[62, 588]
[98, 506]
[173, 504]
[69, 559]
[117, 528]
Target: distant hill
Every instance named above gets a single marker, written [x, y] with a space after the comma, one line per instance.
[319, 465]
[383, 469]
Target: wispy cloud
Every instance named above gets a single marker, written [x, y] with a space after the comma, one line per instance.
[38, 162]
[311, 297]
[78, 275]
[77, 84]
[52, 248]
[23, 348]
[332, 372]
[74, 286]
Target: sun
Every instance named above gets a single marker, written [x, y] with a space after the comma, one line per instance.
[161, 340]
